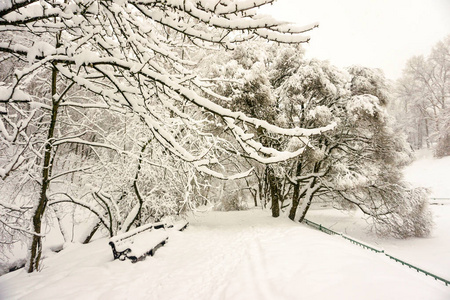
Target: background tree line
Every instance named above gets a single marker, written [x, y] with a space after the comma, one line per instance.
[423, 99]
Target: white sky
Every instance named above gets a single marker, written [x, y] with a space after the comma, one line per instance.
[373, 33]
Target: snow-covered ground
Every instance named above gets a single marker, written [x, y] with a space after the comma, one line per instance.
[227, 255]
[430, 172]
[250, 255]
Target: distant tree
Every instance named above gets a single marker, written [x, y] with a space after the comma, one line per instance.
[423, 99]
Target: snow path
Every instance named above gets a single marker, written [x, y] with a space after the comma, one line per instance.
[227, 255]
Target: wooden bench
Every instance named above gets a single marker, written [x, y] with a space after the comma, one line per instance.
[142, 241]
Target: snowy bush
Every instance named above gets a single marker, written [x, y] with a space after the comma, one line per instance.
[232, 202]
[411, 218]
[442, 147]
[12, 266]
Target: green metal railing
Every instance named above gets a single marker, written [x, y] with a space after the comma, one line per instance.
[320, 227]
[362, 244]
[331, 232]
[374, 249]
[419, 269]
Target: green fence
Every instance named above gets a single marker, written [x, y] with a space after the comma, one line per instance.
[320, 227]
[374, 249]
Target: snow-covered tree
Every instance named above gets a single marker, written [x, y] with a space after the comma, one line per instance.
[129, 56]
[137, 183]
[422, 105]
[358, 163]
[243, 76]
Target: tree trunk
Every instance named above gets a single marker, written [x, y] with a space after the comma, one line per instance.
[36, 244]
[313, 188]
[136, 189]
[296, 194]
[255, 196]
[275, 202]
[261, 193]
[274, 193]
[92, 232]
[308, 204]
[427, 134]
[59, 220]
[419, 136]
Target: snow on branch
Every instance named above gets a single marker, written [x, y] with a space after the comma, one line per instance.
[297, 179]
[217, 15]
[218, 175]
[69, 172]
[13, 207]
[8, 6]
[220, 7]
[192, 96]
[21, 229]
[69, 199]
[12, 94]
[84, 142]
[131, 96]
[130, 53]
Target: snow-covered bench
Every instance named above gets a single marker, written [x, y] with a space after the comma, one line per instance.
[179, 226]
[142, 241]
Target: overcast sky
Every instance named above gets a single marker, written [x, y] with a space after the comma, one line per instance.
[374, 33]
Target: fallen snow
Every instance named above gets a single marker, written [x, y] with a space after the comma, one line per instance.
[227, 255]
[430, 172]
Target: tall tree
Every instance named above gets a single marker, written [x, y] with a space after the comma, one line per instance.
[358, 163]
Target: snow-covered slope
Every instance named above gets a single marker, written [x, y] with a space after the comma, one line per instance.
[430, 172]
[431, 253]
[227, 255]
